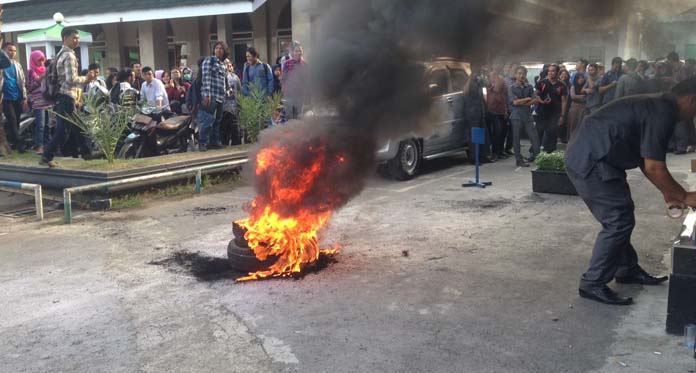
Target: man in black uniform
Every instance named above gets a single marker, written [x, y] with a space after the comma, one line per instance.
[552, 108]
[627, 133]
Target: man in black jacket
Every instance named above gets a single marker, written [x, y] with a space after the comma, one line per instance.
[627, 133]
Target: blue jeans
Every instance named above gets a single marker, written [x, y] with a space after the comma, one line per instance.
[210, 124]
[40, 120]
[65, 106]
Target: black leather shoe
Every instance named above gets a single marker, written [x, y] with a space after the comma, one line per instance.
[641, 277]
[604, 295]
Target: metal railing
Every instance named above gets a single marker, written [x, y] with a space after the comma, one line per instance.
[68, 192]
[38, 195]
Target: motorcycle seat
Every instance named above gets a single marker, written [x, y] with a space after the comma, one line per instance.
[142, 119]
[173, 123]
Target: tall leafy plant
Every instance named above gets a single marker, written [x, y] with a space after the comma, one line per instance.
[256, 109]
[102, 123]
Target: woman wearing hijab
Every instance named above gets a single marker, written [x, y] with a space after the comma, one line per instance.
[277, 73]
[36, 74]
[158, 74]
[187, 76]
[576, 113]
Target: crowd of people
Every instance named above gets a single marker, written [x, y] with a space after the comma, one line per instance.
[551, 108]
[548, 110]
[208, 91]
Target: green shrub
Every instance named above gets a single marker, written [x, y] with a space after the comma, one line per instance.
[550, 161]
[255, 110]
[102, 123]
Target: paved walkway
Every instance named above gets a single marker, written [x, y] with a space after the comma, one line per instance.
[489, 284]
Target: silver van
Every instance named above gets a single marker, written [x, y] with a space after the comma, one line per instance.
[402, 158]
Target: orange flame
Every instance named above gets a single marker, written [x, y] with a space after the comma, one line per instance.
[294, 239]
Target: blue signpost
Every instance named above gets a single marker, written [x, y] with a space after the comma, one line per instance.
[478, 137]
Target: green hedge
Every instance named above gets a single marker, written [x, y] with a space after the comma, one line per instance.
[550, 161]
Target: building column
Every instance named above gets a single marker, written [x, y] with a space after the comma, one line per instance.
[630, 36]
[259, 24]
[224, 29]
[28, 54]
[113, 46]
[302, 25]
[204, 37]
[153, 44]
[50, 51]
[84, 57]
[186, 30]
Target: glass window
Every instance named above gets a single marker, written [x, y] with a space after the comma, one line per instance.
[459, 79]
[441, 78]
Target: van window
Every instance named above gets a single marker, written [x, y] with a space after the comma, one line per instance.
[441, 78]
[459, 79]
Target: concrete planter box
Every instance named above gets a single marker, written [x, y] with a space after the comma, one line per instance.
[555, 182]
[60, 178]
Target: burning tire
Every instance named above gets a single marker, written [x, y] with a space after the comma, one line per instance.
[244, 260]
[407, 161]
[239, 232]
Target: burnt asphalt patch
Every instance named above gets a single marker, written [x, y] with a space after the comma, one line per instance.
[203, 267]
[207, 268]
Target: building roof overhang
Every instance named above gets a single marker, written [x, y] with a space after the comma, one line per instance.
[33, 15]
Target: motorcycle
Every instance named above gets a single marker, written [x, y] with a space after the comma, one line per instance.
[26, 132]
[157, 131]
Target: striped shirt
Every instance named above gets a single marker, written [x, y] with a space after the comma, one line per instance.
[69, 80]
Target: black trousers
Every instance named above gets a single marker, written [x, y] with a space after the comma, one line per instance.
[548, 132]
[497, 130]
[509, 140]
[609, 200]
[12, 109]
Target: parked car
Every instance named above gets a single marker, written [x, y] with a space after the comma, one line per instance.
[445, 79]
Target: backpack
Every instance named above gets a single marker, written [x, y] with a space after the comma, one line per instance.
[50, 86]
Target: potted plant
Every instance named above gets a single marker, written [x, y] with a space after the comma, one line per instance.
[550, 175]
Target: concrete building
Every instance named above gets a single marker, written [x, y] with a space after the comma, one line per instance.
[678, 33]
[172, 33]
[161, 34]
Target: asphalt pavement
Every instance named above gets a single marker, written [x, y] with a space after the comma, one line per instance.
[432, 277]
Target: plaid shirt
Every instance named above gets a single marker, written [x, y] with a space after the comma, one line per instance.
[213, 78]
[69, 80]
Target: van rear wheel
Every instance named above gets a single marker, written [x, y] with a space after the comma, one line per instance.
[407, 161]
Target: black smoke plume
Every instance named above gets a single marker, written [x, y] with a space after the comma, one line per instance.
[368, 81]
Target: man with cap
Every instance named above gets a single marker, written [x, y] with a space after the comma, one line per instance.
[625, 134]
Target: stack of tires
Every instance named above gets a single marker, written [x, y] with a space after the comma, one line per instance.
[241, 257]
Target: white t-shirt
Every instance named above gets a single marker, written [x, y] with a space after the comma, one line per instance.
[152, 92]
